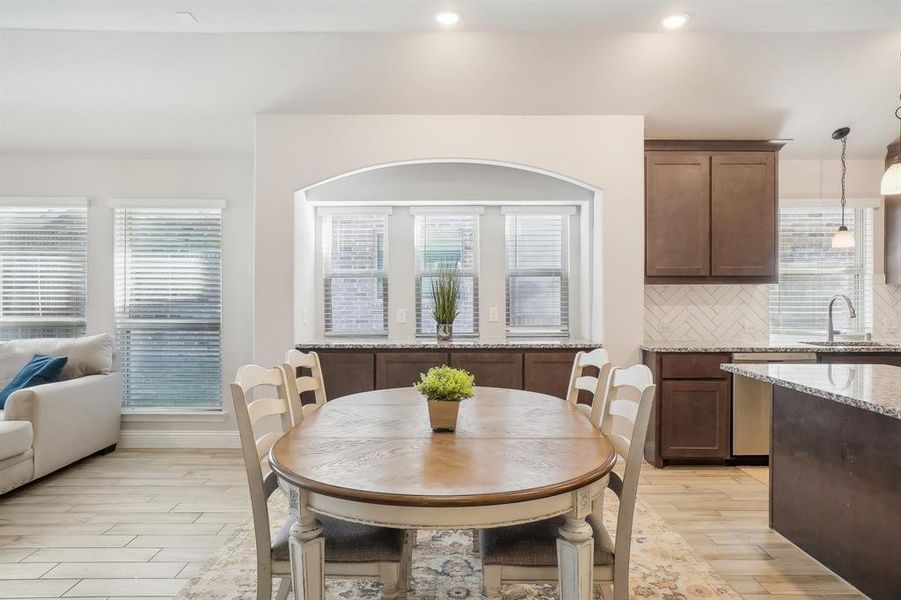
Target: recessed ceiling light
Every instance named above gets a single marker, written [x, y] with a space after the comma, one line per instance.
[187, 18]
[447, 18]
[674, 21]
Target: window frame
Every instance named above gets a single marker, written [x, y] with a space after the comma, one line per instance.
[476, 213]
[213, 326]
[73, 325]
[565, 214]
[323, 217]
[864, 256]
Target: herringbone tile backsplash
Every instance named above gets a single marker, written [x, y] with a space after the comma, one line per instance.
[705, 312]
[738, 312]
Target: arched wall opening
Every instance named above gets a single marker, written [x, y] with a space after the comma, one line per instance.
[295, 152]
[490, 187]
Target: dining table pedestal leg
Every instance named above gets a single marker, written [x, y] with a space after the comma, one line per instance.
[306, 545]
[575, 552]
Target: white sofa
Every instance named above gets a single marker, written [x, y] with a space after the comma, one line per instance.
[46, 427]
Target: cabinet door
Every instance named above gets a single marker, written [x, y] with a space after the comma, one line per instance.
[345, 373]
[491, 369]
[402, 369]
[677, 214]
[696, 418]
[548, 372]
[860, 358]
[743, 214]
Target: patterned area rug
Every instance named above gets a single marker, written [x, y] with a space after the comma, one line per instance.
[663, 567]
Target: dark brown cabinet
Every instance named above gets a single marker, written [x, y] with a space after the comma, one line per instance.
[548, 372]
[692, 416]
[743, 214]
[402, 369]
[491, 369]
[346, 373]
[678, 214]
[711, 212]
[696, 418]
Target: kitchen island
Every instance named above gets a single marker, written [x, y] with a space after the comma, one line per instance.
[835, 466]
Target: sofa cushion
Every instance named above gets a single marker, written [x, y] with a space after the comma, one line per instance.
[15, 438]
[39, 370]
[91, 355]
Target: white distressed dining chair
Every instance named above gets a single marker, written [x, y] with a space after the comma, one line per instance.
[351, 550]
[596, 385]
[528, 553]
[297, 385]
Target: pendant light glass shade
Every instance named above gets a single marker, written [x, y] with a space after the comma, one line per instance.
[843, 238]
[891, 181]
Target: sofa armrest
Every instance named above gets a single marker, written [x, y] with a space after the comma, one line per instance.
[71, 419]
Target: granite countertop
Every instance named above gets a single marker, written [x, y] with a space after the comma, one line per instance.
[765, 346]
[876, 388]
[456, 344]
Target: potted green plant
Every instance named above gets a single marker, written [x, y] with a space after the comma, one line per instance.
[445, 293]
[444, 388]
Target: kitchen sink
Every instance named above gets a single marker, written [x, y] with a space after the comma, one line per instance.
[854, 344]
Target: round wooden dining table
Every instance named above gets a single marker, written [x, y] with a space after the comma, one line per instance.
[515, 457]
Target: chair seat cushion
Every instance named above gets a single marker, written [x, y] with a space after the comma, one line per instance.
[15, 438]
[535, 544]
[348, 542]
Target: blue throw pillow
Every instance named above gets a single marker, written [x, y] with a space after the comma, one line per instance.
[39, 370]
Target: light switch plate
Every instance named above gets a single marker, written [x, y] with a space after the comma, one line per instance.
[493, 314]
[401, 315]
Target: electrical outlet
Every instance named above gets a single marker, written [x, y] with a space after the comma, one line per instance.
[401, 315]
[494, 314]
[306, 316]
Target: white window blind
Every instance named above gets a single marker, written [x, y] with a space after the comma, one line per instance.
[537, 274]
[43, 271]
[811, 272]
[355, 282]
[169, 306]
[447, 240]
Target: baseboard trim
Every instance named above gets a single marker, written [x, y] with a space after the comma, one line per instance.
[179, 439]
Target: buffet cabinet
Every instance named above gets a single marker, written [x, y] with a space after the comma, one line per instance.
[350, 371]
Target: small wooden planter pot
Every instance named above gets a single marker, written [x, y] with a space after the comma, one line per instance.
[443, 414]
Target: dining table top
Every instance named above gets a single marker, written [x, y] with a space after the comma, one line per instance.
[378, 447]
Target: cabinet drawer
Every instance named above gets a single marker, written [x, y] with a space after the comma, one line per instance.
[693, 366]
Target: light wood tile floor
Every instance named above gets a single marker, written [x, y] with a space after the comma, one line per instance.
[137, 524]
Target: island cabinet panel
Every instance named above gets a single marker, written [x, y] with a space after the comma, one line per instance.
[743, 215]
[402, 369]
[491, 369]
[869, 358]
[548, 372]
[678, 214]
[696, 417]
[345, 373]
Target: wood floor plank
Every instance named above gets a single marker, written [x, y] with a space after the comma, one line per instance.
[114, 570]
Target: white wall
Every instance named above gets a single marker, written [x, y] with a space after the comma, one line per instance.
[100, 179]
[293, 152]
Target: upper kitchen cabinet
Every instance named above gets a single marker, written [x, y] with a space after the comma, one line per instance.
[711, 211]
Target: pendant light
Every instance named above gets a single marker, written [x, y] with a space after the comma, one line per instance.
[842, 238]
[891, 181]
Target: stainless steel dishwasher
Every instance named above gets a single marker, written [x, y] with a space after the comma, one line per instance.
[752, 403]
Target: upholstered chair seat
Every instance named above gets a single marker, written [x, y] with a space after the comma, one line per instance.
[535, 544]
[348, 542]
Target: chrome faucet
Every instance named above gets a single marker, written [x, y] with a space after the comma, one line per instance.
[852, 314]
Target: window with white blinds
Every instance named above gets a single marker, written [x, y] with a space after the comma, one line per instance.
[811, 272]
[355, 281]
[168, 265]
[444, 240]
[43, 271]
[537, 274]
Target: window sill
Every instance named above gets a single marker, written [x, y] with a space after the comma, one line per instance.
[174, 416]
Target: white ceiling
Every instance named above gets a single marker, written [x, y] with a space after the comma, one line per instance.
[287, 16]
[728, 75]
